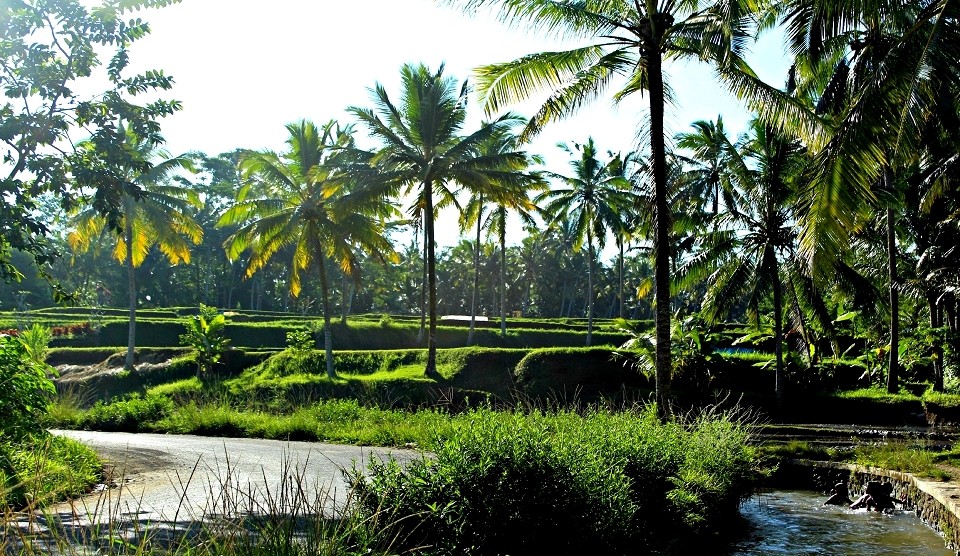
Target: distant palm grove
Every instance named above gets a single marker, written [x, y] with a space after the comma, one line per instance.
[836, 214]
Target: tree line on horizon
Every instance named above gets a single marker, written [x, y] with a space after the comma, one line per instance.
[841, 199]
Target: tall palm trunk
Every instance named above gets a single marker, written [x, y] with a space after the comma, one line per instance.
[128, 209]
[620, 279]
[476, 278]
[431, 370]
[936, 321]
[503, 282]
[327, 333]
[893, 363]
[423, 293]
[345, 295]
[589, 287]
[779, 379]
[661, 236]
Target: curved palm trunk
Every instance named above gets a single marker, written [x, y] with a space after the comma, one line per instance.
[431, 370]
[327, 333]
[589, 288]
[131, 281]
[476, 279]
[503, 282]
[661, 236]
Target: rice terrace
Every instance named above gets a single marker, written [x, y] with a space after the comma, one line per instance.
[479, 277]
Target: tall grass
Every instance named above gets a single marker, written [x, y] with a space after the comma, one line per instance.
[38, 469]
[536, 483]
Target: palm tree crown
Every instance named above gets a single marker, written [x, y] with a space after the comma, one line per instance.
[304, 200]
[424, 156]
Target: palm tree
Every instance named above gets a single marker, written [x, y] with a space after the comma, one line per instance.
[594, 198]
[744, 261]
[878, 68]
[634, 39]
[308, 203]
[423, 155]
[709, 147]
[161, 215]
[511, 194]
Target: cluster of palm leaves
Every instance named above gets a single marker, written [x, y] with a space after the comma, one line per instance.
[871, 95]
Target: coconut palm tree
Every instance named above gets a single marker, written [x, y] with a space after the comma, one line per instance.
[160, 215]
[705, 168]
[423, 156]
[745, 259]
[877, 69]
[502, 197]
[595, 199]
[630, 38]
[310, 203]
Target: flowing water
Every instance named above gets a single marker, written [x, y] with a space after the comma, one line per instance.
[796, 522]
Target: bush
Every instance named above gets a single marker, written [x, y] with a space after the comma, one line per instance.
[517, 483]
[25, 390]
[133, 414]
[45, 469]
[205, 334]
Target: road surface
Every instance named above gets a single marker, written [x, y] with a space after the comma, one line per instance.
[174, 477]
[174, 483]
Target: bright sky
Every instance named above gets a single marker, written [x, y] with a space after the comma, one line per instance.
[245, 68]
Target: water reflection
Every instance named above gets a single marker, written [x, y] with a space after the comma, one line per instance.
[796, 522]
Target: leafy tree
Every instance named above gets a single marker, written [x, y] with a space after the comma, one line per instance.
[878, 68]
[510, 192]
[310, 203]
[627, 38]
[160, 215]
[423, 156]
[706, 167]
[45, 48]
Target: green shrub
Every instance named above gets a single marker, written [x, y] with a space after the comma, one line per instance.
[25, 391]
[301, 340]
[45, 469]
[133, 414]
[205, 334]
[512, 483]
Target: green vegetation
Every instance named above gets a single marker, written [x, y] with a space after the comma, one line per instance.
[35, 467]
[205, 335]
[45, 470]
[832, 229]
[522, 482]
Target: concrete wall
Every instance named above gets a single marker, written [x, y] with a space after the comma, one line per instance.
[937, 503]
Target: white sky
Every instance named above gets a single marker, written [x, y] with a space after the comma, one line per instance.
[245, 68]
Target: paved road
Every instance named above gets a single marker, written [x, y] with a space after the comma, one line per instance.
[158, 477]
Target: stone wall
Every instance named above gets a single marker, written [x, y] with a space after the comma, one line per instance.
[937, 503]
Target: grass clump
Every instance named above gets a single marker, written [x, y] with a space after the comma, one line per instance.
[43, 469]
[535, 483]
[897, 457]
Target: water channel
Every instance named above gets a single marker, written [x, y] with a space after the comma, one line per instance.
[796, 522]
